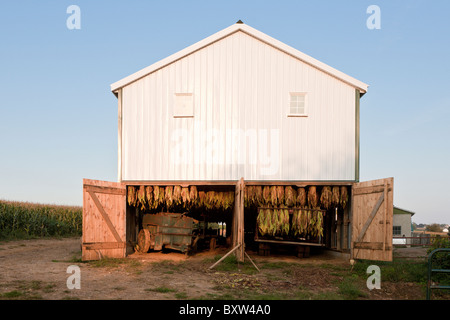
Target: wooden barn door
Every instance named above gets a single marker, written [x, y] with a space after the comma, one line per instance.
[104, 220]
[372, 215]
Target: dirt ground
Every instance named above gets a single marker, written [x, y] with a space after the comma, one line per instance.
[37, 269]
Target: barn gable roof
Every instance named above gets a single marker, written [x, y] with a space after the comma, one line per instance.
[362, 87]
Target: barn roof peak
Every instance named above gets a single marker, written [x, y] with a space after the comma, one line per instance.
[240, 26]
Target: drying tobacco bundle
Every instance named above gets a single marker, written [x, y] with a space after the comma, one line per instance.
[312, 197]
[264, 221]
[168, 196]
[185, 199]
[284, 220]
[290, 196]
[193, 195]
[258, 196]
[141, 197]
[250, 195]
[325, 197]
[201, 200]
[335, 199]
[301, 197]
[228, 200]
[273, 195]
[149, 197]
[156, 196]
[344, 196]
[210, 202]
[280, 195]
[177, 195]
[266, 195]
[300, 222]
[131, 196]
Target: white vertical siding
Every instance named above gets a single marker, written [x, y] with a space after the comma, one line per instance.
[242, 83]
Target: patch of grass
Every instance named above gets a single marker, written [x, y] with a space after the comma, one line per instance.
[350, 288]
[168, 267]
[12, 294]
[230, 264]
[20, 295]
[49, 288]
[28, 290]
[119, 288]
[107, 262]
[181, 295]
[75, 259]
[114, 263]
[398, 270]
[213, 296]
[276, 265]
[161, 290]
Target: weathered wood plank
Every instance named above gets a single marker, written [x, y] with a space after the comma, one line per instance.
[107, 190]
[370, 218]
[369, 224]
[103, 245]
[105, 216]
[103, 199]
[372, 245]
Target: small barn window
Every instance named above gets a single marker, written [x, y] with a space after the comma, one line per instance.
[297, 104]
[183, 105]
[397, 231]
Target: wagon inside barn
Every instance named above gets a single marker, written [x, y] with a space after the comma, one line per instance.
[246, 134]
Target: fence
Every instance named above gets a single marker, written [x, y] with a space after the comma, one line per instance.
[421, 240]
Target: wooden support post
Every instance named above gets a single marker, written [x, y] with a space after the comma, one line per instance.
[338, 230]
[385, 193]
[345, 243]
[251, 261]
[239, 204]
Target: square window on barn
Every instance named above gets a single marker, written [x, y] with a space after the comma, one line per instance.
[297, 104]
[183, 105]
[397, 231]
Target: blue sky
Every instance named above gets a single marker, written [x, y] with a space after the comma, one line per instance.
[59, 118]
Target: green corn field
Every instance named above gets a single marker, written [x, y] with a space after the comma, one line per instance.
[30, 220]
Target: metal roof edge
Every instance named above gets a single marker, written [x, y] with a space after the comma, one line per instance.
[406, 211]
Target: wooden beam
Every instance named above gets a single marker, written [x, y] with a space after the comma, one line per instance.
[234, 182]
[106, 190]
[368, 190]
[357, 133]
[385, 214]
[180, 182]
[119, 138]
[251, 260]
[372, 245]
[103, 245]
[240, 220]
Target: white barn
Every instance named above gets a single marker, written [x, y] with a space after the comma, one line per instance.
[239, 104]
[239, 110]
